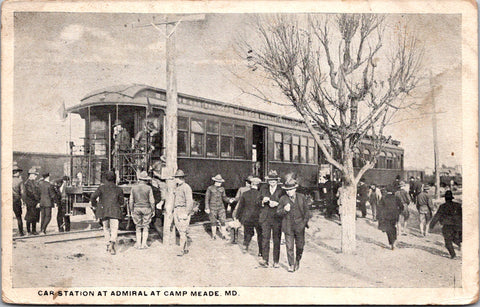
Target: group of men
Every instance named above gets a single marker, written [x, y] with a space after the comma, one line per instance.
[39, 197]
[269, 211]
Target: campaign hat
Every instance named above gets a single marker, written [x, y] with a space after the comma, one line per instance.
[143, 176]
[218, 178]
[117, 123]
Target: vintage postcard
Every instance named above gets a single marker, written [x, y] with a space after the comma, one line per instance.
[240, 152]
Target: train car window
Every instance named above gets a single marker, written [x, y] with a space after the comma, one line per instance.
[287, 147]
[182, 135]
[239, 142]
[226, 140]
[278, 150]
[197, 137]
[212, 139]
[295, 148]
[311, 150]
[303, 149]
[382, 160]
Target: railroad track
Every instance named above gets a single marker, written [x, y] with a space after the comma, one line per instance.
[60, 237]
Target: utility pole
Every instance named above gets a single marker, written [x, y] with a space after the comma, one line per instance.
[170, 130]
[435, 141]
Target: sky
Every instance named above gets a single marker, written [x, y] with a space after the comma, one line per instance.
[61, 57]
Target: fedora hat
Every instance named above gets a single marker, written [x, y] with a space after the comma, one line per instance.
[255, 181]
[290, 184]
[272, 175]
[249, 178]
[179, 173]
[33, 170]
[117, 122]
[143, 176]
[16, 168]
[218, 178]
[426, 187]
[163, 159]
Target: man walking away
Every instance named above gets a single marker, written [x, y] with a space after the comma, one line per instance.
[389, 211]
[415, 188]
[269, 220]
[183, 209]
[17, 187]
[374, 196]
[31, 198]
[47, 199]
[449, 215]
[425, 208]
[247, 211]
[294, 209]
[405, 199]
[108, 209]
[142, 206]
[214, 207]
[63, 220]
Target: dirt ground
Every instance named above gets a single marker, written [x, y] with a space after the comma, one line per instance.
[417, 262]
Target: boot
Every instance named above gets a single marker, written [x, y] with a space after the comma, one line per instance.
[232, 236]
[112, 248]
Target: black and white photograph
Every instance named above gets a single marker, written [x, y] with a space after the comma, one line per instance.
[181, 152]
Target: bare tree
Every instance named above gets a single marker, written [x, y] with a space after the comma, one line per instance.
[336, 72]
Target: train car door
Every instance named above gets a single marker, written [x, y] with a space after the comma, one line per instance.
[259, 150]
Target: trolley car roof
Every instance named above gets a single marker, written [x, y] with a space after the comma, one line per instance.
[141, 95]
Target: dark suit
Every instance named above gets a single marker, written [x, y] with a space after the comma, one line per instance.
[271, 223]
[293, 225]
[248, 211]
[47, 200]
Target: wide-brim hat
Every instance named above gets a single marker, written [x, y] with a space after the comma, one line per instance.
[255, 181]
[179, 173]
[33, 170]
[163, 159]
[117, 123]
[16, 168]
[426, 187]
[272, 175]
[218, 178]
[144, 176]
[249, 178]
[290, 184]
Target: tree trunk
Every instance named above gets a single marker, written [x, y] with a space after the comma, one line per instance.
[348, 200]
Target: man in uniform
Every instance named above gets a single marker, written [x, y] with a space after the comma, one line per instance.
[17, 186]
[142, 206]
[31, 198]
[247, 211]
[449, 215]
[269, 220]
[214, 207]
[294, 209]
[122, 144]
[47, 200]
[425, 208]
[159, 188]
[182, 210]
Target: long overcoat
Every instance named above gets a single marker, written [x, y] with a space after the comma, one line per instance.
[31, 197]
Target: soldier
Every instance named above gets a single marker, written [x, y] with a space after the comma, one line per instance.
[183, 209]
[269, 220]
[47, 200]
[405, 199]
[159, 188]
[122, 144]
[142, 206]
[294, 209]
[63, 220]
[109, 209]
[247, 211]
[449, 215]
[17, 186]
[31, 198]
[425, 208]
[389, 209]
[214, 198]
